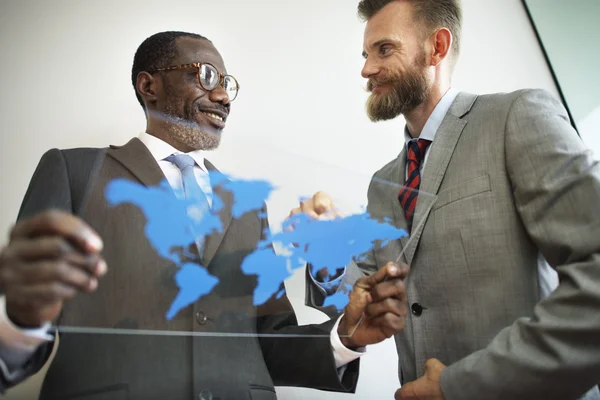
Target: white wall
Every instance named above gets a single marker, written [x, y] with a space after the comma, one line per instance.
[66, 83]
[567, 33]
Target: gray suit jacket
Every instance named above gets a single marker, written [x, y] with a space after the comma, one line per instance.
[139, 287]
[513, 182]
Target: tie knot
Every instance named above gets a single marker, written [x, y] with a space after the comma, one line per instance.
[182, 161]
[416, 149]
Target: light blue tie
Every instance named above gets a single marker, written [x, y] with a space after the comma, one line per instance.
[191, 187]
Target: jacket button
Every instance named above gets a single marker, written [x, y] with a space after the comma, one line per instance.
[417, 309]
[201, 318]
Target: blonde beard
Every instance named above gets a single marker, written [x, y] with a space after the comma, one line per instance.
[407, 92]
[382, 107]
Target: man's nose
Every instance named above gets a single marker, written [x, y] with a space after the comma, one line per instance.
[219, 95]
[370, 68]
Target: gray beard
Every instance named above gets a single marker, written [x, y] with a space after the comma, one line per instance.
[188, 133]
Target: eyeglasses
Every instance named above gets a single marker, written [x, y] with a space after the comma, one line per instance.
[210, 78]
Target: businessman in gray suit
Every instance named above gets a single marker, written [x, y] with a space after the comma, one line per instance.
[504, 281]
[101, 271]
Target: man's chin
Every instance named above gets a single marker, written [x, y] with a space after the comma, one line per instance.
[381, 117]
[199, 138]
[376, 113]
[208, 140]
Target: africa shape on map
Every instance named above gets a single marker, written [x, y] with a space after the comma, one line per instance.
[170, 224]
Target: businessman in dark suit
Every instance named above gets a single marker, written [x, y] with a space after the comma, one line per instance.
[104, 273]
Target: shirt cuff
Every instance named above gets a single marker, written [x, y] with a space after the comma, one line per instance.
[341, 353]
[327, 288]
[17, 345]
[19, 338]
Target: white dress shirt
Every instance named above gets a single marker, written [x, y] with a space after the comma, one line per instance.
[432, 124]
[161, 150]
[17, 344]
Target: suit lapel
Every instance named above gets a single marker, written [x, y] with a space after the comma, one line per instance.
[214, 241]
[438, 159]
[399, 176]
[138, 160]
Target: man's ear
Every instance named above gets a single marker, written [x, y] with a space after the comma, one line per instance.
[442, 42]
[148, 86]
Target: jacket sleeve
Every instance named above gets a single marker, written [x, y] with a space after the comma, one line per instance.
[300, 355]
[555, 354]
[48, 189]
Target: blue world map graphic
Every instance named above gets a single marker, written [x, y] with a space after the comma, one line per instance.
[173, 222]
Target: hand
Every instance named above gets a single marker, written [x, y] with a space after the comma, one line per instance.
[426, 387]
[377, 307]
[50, 258]
[320, 206]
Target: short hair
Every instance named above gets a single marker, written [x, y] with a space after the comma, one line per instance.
[156, 52]
[434, 13]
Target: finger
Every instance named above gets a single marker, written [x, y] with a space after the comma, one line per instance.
[331, 215]
[322, 202]
[54, 248]
[388, 305]
[50, 247]
[407, 391]
[294, 211]
[42, 294]
[358, 300]
[307, 208]
[389, 324]
[46, 272]
[390, 270]
[397, 395]
[59, 223]
[433, 366]
[392, 288]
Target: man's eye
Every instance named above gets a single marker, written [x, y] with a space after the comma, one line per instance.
[384, 50]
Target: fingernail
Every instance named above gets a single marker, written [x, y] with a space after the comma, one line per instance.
[101, 268]
[394, 270]
[95, 242]
[93, 284]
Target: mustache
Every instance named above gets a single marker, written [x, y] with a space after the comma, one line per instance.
[172, 119]
[215, 107]
[372, 82]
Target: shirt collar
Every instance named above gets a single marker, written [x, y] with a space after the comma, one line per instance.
[161, 150]
[435, 119]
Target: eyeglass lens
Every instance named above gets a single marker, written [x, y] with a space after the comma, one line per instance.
[209, 78]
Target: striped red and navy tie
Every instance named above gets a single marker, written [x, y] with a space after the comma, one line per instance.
[409, 192]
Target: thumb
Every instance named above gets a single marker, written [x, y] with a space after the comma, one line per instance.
[407, 391]
[359, 299]
[322, 202]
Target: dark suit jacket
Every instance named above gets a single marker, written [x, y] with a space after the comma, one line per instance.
[140, 285]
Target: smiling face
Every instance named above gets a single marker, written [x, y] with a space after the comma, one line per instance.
[180, 111]
[396, 65]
